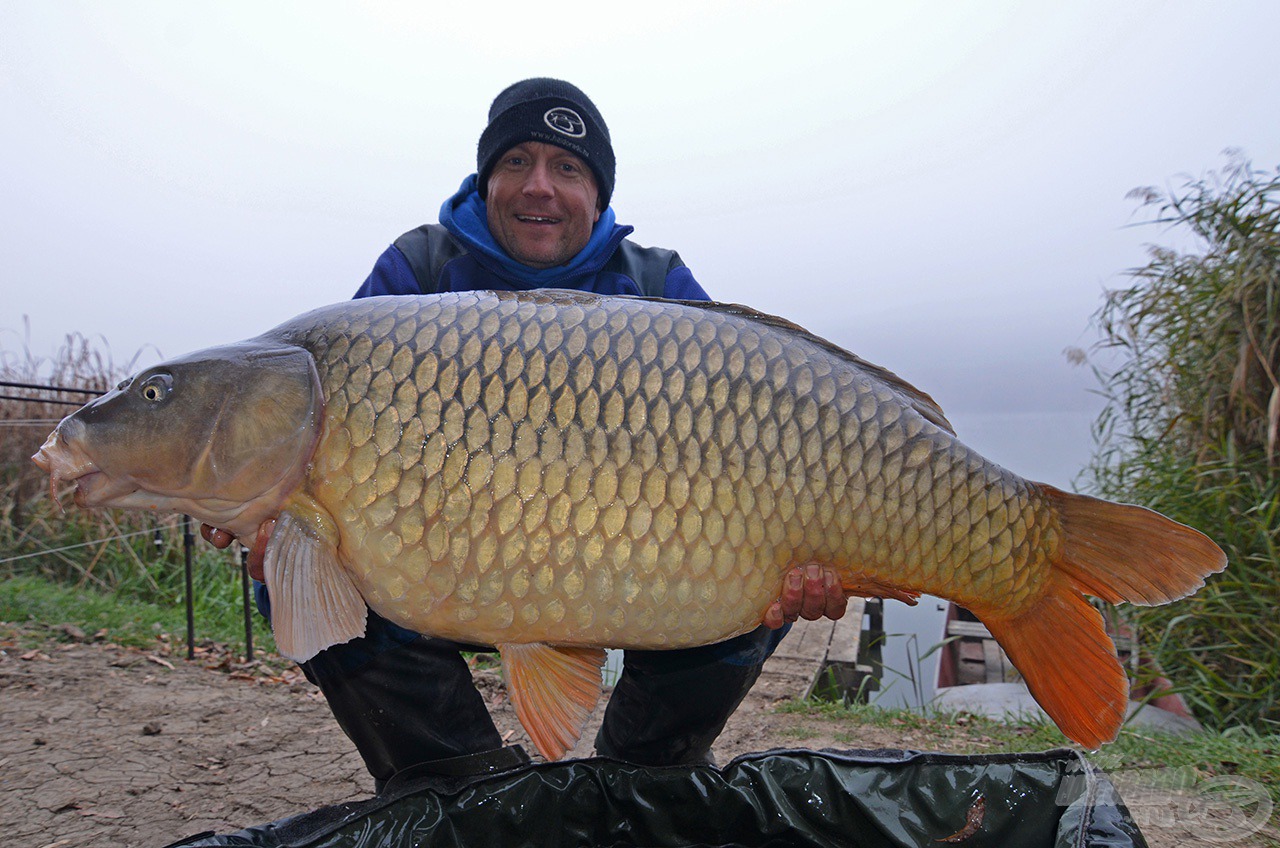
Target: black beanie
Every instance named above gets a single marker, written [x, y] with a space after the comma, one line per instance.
[554, 112]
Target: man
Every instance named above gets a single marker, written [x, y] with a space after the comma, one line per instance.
[536, 214]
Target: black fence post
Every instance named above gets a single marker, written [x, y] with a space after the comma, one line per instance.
[188, 546]
[248, 614]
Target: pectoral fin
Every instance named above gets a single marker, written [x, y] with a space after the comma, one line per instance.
[314, 603]
[554, 691]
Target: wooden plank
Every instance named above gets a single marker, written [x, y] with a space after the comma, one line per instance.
[810, 646]
[994, 659]
[815, 637]
[808, 640]
[970, 673]
[975, 629]
[846, 637]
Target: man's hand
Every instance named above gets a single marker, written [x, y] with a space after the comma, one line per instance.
[221, 539]
[811, 592]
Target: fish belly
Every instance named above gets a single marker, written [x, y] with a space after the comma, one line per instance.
[633, 473]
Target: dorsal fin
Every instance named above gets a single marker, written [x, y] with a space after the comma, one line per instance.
[913, 397]
[910, 395]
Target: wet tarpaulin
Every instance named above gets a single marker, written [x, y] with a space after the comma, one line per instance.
[874, 799]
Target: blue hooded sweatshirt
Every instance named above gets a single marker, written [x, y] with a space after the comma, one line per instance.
[460, 254]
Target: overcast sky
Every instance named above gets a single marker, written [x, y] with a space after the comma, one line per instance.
[939, 187]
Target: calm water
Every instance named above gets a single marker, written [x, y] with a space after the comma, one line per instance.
[1047, 447]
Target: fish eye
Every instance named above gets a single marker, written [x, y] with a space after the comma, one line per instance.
[156, 388]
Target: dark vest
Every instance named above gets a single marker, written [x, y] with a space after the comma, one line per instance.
[430, 247]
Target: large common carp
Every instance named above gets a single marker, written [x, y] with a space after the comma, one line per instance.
[553, 473]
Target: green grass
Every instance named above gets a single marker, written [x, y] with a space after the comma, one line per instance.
[42, 605]
[34, 601]
[121, 571]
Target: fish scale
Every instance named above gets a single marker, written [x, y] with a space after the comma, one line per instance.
[554, 473]
[584, 464]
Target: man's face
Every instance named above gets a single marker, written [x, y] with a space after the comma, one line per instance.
[542, 204]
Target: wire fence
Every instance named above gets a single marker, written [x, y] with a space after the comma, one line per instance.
[46, 388]
[188, 545]
[51, 394]
[49, 551]
[44, 399]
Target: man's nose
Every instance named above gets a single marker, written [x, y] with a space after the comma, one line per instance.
[538, 182]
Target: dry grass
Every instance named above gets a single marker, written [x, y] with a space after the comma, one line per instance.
[29, 520]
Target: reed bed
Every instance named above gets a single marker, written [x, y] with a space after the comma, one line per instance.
[1191, 428]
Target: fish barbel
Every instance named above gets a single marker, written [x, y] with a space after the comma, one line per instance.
[553, 473]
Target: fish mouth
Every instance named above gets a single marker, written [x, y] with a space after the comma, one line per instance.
[65, 462]
[94, 488]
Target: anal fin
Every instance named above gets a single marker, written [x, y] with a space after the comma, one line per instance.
[554, 690]
[863, 586]
[314, 602]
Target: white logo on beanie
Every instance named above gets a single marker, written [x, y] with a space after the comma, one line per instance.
[566, 122]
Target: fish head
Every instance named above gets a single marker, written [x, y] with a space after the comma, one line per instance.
[223, 434]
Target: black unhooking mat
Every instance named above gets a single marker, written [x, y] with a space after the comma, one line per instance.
[778, 798]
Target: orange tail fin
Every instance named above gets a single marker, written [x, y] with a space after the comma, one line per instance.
[1120, 552]
[1115, 552]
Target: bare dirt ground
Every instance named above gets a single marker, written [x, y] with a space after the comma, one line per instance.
[106, 746]
[102, 745]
